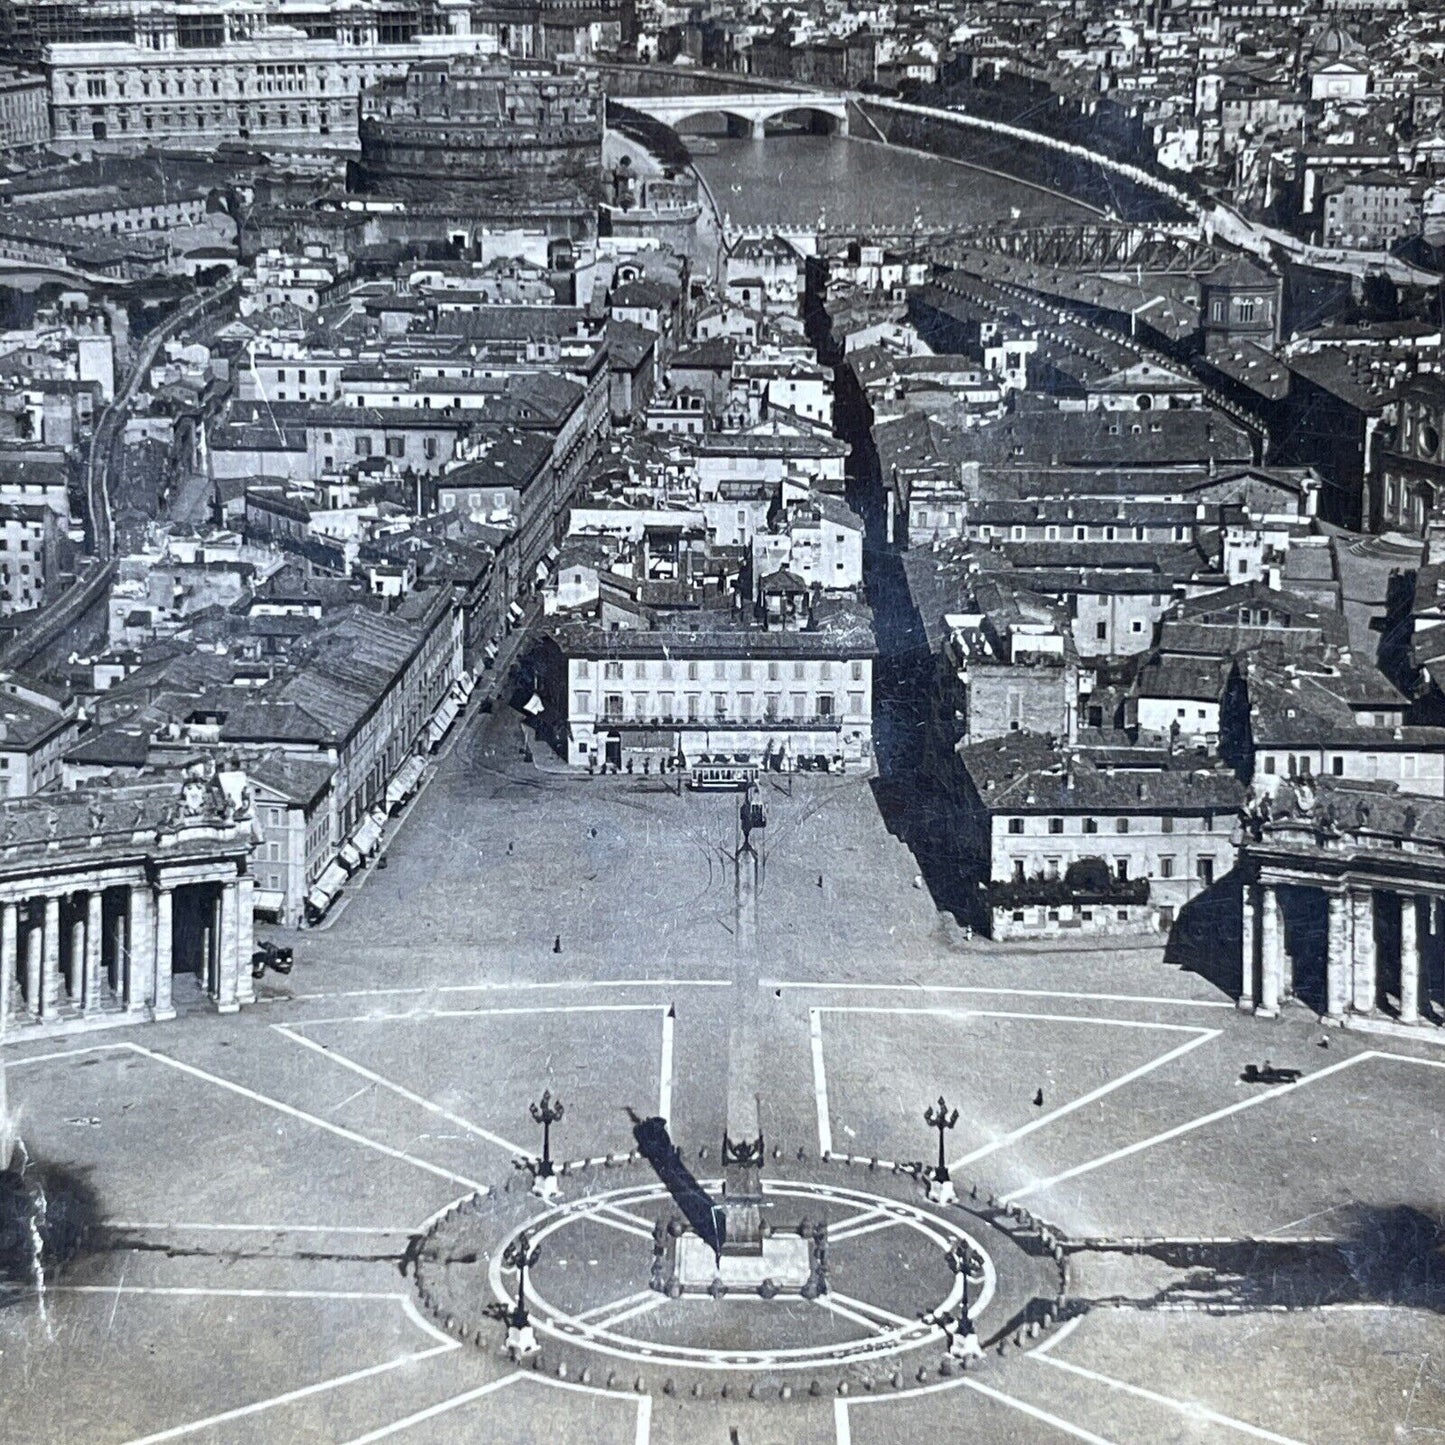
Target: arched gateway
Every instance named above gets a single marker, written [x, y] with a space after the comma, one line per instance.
[1343, 900]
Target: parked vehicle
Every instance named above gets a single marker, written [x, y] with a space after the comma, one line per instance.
[270, 955]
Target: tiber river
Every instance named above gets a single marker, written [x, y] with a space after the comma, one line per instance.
[792, 179]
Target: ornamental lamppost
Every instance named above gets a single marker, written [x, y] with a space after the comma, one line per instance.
[937, 1116]
[962, 1336]
[521, 1255]
[546, 1113]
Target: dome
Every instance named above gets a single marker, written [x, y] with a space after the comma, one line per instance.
[1333, 42]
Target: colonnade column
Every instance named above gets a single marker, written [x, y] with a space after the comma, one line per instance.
[32, 965]
[1248, 946]
[1337, 959]
[138, 963]
[50, 960]
[94, 941]
[9, 957]
[1271, 971]
[245, 937]
[1363, 908]
[161, 937]
[227, 968]
[1409, 959]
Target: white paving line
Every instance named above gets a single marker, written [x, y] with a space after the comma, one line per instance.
[664, 1092]
[584, 1315]
[291, 1396]
[887, 1222]
[150, 1226]
[200, 1291]
[1189, 1409]
[842, 1429]
[1003, 1142]
[579, 984]
[650, 1303]
[1077, 1431]
[627, 1214]
[605, 1216]
[371, 1076]
[644, 1421]
[60, 1054]
[875, 1311]
[979, 1013]
[833, 1307]
[440, 1408]
[292, 1112]
[413, 1015]
[1058, 1336]
[837, 1228]
[820, 1083]
[1192, 1124]
[1004, 992]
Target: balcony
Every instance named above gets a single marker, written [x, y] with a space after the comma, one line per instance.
[1086, 881]
[728, 721]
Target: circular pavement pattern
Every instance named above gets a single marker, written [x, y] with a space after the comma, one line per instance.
[598, 1287]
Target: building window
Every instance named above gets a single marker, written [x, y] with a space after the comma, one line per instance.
[1015, 825]
[694, 706]
[692, 672]
[825, 704]
[1166, 867]
[1121, 869]
[1018, 870]
[582, 701]
[1091, 825]
[1166, 823]
[1269, 766]
[612, 671]
[612, 707]
[1121, 825]
[1101, 632]
[1056, 825]
[1206, 871]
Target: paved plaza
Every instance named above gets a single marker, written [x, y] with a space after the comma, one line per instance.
[260, 1192]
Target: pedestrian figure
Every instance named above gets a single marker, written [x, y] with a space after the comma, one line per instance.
[820, 880]
[557, 944]
[1039, 1099]
[509, 847]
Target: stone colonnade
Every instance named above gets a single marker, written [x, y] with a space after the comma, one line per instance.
[1353, 969]
[72, 950]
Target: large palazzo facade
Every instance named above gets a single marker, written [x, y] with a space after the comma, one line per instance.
[1343, 893]
[123, 905]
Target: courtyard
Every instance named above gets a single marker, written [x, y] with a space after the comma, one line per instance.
[1242, 1260]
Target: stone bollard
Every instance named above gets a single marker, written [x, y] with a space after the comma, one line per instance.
[561, 1369]
[667, 1387]
[842, 1387]
[786, 1393]
[639, 1386]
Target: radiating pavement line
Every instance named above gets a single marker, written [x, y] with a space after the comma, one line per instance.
[361, 1071]
[290, 1397]
[820, 1083]
[291, 1111]
[1184, 1128]
[1189, 1409]
[1204, 1037]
